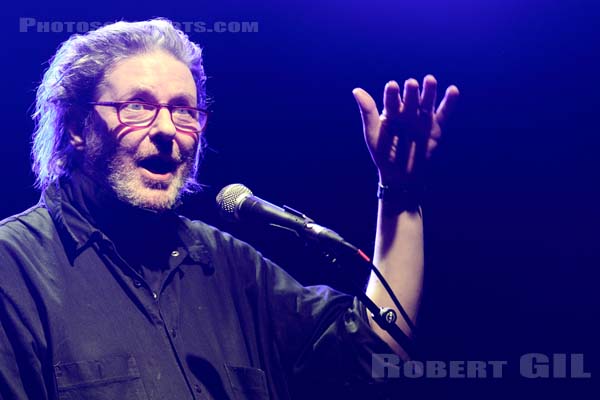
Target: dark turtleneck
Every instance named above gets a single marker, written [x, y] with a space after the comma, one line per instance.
[143, 238]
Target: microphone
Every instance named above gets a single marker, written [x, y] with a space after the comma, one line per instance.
[236, 202]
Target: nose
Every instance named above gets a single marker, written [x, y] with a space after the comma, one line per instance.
[163, 126]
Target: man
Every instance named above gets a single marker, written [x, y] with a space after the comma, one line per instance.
[106, 293]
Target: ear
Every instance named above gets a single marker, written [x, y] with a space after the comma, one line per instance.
[76, 139]
[75, 128]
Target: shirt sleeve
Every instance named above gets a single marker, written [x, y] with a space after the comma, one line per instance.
[323, 336]
[22, 340]
[21, 375]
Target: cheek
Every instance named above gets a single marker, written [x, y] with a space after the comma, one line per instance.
[188, 136]
[128, 135]
[187, 142]
[132, 140]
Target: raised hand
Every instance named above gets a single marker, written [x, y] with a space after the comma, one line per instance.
[404, 135]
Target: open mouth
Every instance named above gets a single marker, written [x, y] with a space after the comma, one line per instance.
[158, 165]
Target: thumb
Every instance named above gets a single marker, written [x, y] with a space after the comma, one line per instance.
[368, 110]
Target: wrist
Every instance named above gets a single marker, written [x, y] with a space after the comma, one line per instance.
[399, 197]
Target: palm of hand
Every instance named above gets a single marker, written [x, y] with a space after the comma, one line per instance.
[405, 134]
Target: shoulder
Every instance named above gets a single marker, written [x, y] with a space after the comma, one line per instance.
[26, 251]
[217, 240]
[29, 244]
[234, 259]
[26, 227]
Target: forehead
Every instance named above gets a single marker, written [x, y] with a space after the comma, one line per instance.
[158, 73]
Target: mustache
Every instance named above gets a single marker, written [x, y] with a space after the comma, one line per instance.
[172, 155]
[162, 157]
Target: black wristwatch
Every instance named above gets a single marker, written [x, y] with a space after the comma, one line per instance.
[402, 196]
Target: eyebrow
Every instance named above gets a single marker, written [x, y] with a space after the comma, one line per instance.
[145, 93]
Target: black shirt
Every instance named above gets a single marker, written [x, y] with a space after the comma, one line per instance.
[101, 300]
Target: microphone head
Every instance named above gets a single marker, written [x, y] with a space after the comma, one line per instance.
[229, 199]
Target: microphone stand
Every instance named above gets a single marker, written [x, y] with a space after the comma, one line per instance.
[233, 200]
[333, 244]
[384, 317]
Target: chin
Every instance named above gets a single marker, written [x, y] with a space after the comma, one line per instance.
[146, 193]
[155, 199]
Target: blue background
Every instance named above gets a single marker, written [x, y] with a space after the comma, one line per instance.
[511, 212]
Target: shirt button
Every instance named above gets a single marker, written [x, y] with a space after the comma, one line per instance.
[154, 295]
[175, 253]
[173, 333]
[137, 283]
[198, 388]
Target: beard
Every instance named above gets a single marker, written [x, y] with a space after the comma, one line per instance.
[117, 169]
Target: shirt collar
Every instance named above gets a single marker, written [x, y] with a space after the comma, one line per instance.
[74, 201]
[75, 230]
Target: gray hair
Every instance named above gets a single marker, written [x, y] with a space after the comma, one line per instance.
[76, 70]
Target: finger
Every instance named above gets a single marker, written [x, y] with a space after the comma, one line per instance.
[391, 99]
[447, 105]
[411, 160]
[378, 143]
[431, 145]
[368, 109]
[410, 96]
[429, 94]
